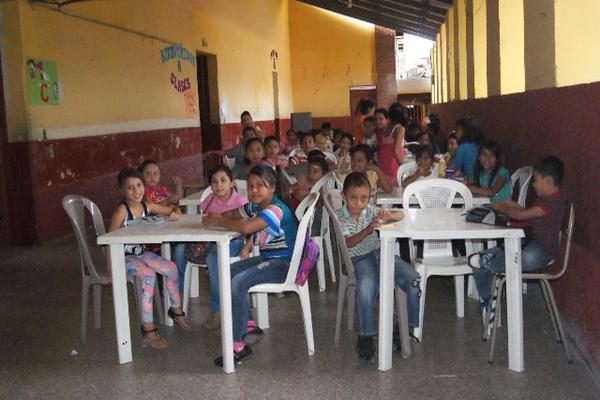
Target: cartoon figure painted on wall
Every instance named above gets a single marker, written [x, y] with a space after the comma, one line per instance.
[179, 80]
[42, 82]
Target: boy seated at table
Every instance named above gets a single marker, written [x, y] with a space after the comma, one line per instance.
[359, 219]
[543, 219]
[361, 157]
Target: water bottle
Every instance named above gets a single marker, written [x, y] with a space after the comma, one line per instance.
[441, 168]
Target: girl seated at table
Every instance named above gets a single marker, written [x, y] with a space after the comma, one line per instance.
[425, 168]
[490, 178]
[253, 155]
[226, 201]
[143, 263]
[273, 227]
[451, 147]
[156, 192]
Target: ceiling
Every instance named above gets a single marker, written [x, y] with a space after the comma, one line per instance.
[417, 17]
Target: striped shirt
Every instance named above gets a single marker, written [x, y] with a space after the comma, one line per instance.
[278, 238]
[351, 227]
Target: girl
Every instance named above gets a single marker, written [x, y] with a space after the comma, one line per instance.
[247, 122]
[322, 141]
[390, 141]
[490, 178]
[143, 263]
[156, 192]
[317, 169]
[364, 109]
[292, 142]
[469, 137]
[273, 226]
[343, 152]
[254, 154]
[451, 146]
[224, 200]
[272, 157]
[425, 169]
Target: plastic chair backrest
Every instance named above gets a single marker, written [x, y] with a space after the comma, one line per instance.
[75, 206]
[333, 202]
[205, 193]
[523, 176]
[326, 182]
[405, 170]
[229, 161]
[329, 156]
[437, 193]
[242, 186]
[566, 236]
[303, 226]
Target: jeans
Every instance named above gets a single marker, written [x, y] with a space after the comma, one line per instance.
[244, 275]
[492, 262]
[178, 257]
[366, 268]
[235, 246]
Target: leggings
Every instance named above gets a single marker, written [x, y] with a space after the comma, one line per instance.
[146, 266]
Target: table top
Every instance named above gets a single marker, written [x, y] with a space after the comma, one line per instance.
[188, 228]
[395, 198]
[443, 224]
[192, 199]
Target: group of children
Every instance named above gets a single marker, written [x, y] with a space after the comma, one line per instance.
[265, 216]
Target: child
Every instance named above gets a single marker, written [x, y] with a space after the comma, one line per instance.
[490, 178]
[343, 152]
[368, 135]
[544, 219]
[156, 192]
[317, 169]
[362, 161]
[247, 122]
[425, 168]
[224, 200]
[273, 227]
[359, 219]
[236, 151]
[322, 141]
[337, 136]
[254, 155]
[390, 142]
[469, 137]
[146, 264]
[292, 142]
[451, 147]
[307, 143]
[327, 129]
[271, 149]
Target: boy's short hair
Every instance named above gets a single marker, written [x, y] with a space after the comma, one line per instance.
[305, 134]
[315, 154]
[356, 179]
[349, 137]
[365, 149]
[270, 139]
[245, 113]
[553, 167]
[319, 161]
[422, 150]
[248, 128]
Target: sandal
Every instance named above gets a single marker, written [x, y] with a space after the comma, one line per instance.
[155, 341]
[180, 320]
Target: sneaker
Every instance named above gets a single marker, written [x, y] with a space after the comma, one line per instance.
[238, 356]
[212, 322]
[366, 349]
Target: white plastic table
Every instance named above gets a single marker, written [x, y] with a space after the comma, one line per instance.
[191, 202]
[389, 200]
[446, 224]
[188, 229]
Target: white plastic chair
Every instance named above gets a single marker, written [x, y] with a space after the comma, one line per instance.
[324, 237]
[523, 176]
[544, 279]
[76, 206]
[347, 285]
[229, 161]
[241, 186]
[290, 285]
[408, 168]
[437, 254]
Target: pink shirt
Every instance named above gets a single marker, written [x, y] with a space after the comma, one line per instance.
[212, 204]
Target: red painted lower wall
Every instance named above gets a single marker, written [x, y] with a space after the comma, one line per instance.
[565, 122]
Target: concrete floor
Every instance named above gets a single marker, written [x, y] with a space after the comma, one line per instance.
[40, 317]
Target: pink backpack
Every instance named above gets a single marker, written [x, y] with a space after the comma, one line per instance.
[310, 256]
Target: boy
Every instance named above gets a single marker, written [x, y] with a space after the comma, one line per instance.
[544, 218]
[307, 144]
[359, 219]
[237, 151]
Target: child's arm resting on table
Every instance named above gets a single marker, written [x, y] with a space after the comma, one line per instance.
[481, 191]
[515, 211]
[171, 212]
[243, 226]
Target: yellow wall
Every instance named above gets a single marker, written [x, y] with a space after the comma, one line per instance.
[330, 53]
[512, 46]
[114, 81]
[480, 48]
[577, 44]
[462, 48]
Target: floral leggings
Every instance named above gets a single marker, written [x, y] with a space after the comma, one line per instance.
[146, 266]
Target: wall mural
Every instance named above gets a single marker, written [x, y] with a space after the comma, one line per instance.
[42, 82]
[179, 80]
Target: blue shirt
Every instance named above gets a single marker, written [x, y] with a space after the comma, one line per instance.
[278, 238]
[505, 192]
[465, 158]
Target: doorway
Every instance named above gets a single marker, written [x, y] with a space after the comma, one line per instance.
[208, 99]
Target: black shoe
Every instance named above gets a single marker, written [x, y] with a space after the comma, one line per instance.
[366, 349]
[238, 356]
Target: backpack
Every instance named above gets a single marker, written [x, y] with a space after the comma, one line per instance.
[310, 256]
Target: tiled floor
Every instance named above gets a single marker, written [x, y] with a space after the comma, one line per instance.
[40, 316]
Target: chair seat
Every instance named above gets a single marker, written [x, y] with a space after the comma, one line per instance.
[273, 288]
[444, 265]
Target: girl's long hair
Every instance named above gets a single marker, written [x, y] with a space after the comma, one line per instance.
[493, 147]
[272, 177]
